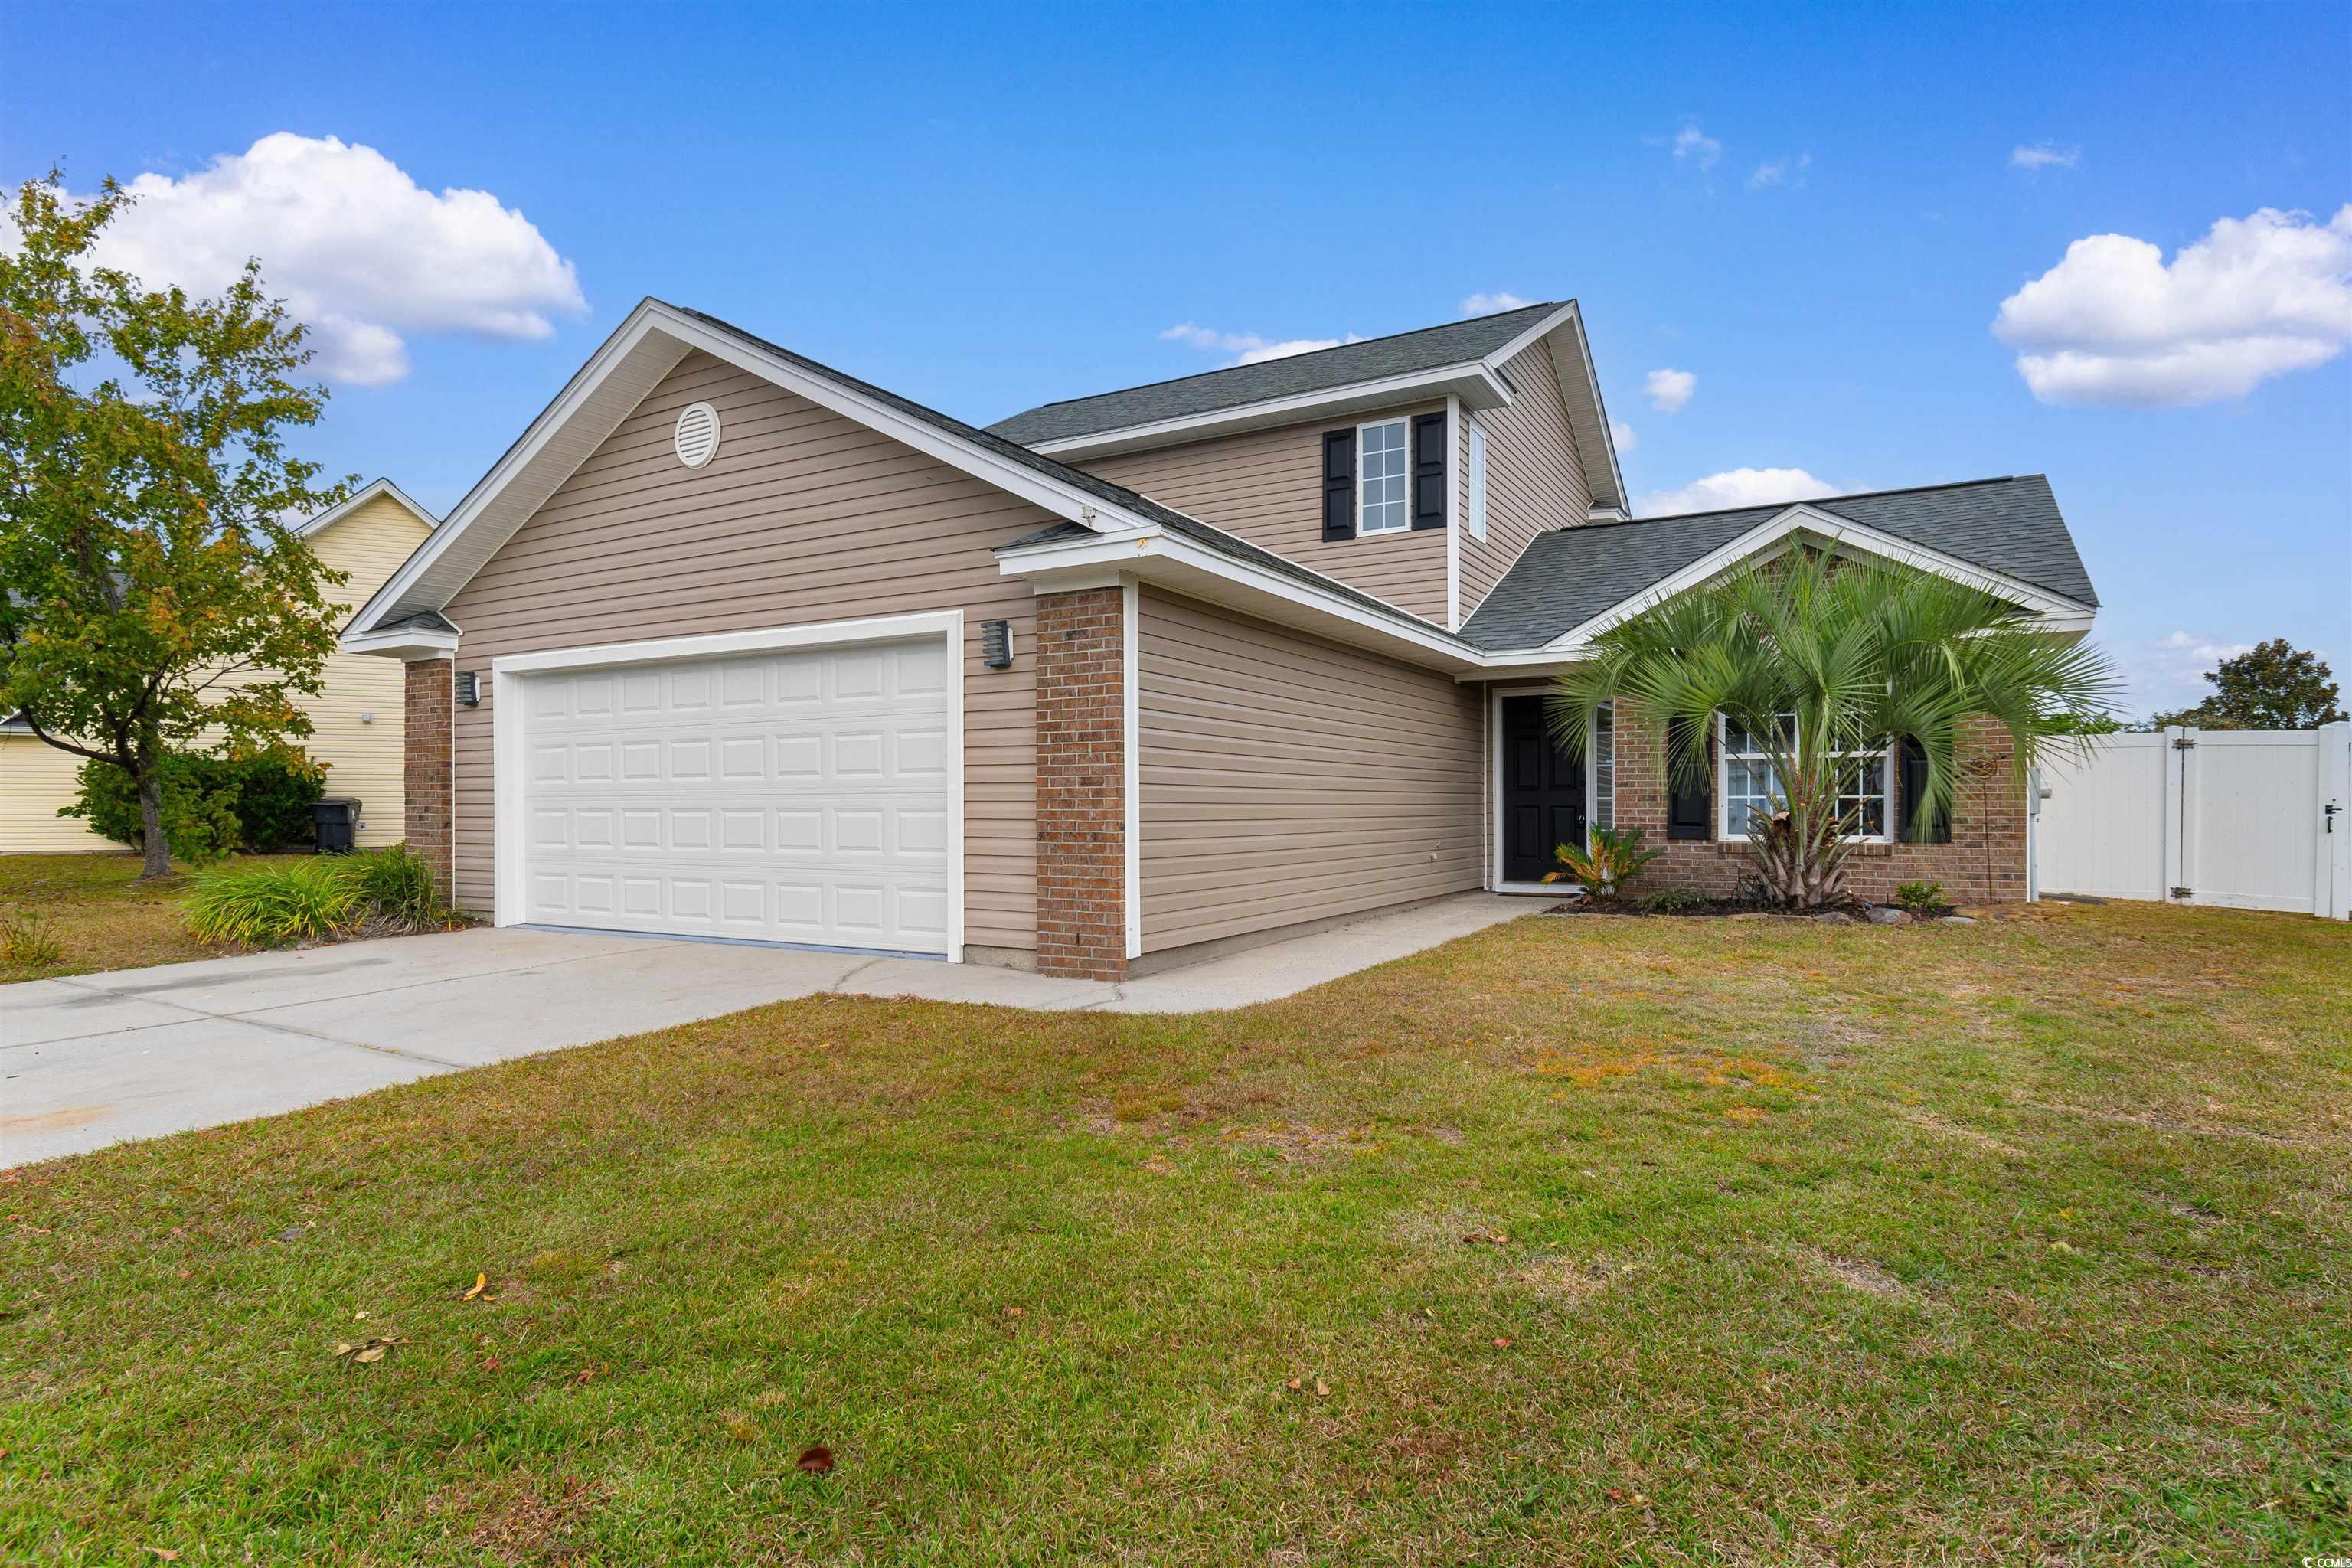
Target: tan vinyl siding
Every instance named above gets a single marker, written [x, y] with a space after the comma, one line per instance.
[1288, 779]
[1535, 476]
[362, 759]
[364, 753]
[1266, 486]
[35, 778]
[802, 517]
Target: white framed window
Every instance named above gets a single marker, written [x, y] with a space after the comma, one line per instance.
[1383, 478]
[1746, 787]
[1477, 464]
[1600, 770]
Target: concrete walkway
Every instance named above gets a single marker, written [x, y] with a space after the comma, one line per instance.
[138, 1052]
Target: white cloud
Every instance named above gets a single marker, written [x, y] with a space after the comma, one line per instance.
[1491, 304]
[2168, 673]
[1736, 488]
[1622, 434]
[1691, 145]
[1769, 174]
[1669, 391]
[2042, 155]
[360, 252]
[2114, 324]
[1248, 347]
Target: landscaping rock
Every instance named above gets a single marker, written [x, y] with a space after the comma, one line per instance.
[1958, 919]
[1835, 918]
[1890, 917]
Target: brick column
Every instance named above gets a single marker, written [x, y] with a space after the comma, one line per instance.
[1081, 786]
[428, 718]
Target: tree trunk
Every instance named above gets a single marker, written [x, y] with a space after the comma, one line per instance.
[151, 825]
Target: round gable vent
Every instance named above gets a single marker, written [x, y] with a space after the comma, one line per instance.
[696, 440]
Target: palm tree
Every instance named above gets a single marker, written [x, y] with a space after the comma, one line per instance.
[1817, 665]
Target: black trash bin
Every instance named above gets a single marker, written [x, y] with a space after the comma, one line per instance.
[337, 819]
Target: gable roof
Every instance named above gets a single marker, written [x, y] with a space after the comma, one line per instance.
[1374, 359]
[1472, 361]
[1569, 576]
[360, 497]
[645, 347]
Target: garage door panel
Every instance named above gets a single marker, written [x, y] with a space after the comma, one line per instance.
[796, 797]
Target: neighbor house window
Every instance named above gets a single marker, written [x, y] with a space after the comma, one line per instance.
[1381, 478]
[1750, 791]
[1479, 482]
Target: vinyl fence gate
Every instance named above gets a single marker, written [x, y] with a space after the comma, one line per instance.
[2246, 820]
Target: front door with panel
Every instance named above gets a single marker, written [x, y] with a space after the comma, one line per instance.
[1543, 792]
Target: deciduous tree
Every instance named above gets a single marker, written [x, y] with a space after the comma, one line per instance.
[2274, 687]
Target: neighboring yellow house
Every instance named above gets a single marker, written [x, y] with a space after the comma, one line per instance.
[356, 725]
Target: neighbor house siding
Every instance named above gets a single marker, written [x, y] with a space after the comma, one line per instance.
[804, 516]
[1286, 779]
[1535, 476]
[356, 724]
[1266, 486]
[363, 759]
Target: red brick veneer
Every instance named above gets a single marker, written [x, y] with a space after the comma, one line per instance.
[1983, 864]
[429, 716]
[1081, 785]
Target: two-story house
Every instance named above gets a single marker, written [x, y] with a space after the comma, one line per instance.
[732, 644]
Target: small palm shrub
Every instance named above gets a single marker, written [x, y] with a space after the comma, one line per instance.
[273, 903]
[1612, 859]
[28, 942]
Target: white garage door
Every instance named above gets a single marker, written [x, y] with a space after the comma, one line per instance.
[799, 795]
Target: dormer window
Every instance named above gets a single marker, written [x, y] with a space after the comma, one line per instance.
[1381, 469]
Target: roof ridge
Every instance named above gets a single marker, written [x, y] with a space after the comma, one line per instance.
[1307, 353]
[1823, 501]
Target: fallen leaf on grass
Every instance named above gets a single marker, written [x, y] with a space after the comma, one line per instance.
[1322, 1389]
[815, 1461]
[368, 1352]
[1502, 1341]
[481, 1283]
[1486, 1238]
[1294, 1385]
[165, 1552]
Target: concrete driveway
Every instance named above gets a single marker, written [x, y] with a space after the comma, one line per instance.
[99, 1058]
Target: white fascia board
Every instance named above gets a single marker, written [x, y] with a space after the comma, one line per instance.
[409, 588]
[1527, 339]
[2052, 611]
[366, 493]
[1178, 563]
[1474, 381]
[407, 643]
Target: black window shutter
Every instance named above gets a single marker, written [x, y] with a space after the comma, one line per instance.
[1911, 782]
[1339, 484]
[1690, 813]
[1429, 471]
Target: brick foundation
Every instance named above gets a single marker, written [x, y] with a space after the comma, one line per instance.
[1983, 864]
[1081, 786]
[428, 717]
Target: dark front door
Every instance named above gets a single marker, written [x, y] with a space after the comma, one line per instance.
[1543, 794]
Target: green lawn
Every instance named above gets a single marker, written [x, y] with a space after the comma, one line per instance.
[101, 914]
[1584, 1241]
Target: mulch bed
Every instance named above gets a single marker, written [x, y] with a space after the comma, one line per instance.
[1853, 913]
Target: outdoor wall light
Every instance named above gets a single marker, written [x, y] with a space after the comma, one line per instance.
[996, 643]
[469, 690]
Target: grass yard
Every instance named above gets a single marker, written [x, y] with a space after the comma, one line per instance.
[98, 913]
[1597, 1241]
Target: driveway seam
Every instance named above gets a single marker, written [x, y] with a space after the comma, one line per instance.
[196, 1013]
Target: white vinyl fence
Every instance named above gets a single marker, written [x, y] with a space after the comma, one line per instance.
[2248, 819]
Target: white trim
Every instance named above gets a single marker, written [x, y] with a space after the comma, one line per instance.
[1475, 379]
[407, 643]
[651, 319]
[1528, 338]
[360, 497]
[678, 434]
[1495, 695]
[1891, 762]
[1474, 475]
[1131, 612]
[1456, 446]
[1382, 421]
[507, 739]
[1155, 555]
[2054, 611]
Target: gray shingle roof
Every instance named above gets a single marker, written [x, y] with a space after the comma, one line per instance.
[1568, 576]
[1456, 342]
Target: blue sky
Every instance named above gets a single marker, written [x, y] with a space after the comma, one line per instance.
[1815, 217]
